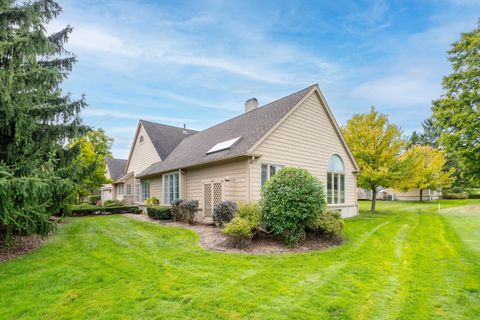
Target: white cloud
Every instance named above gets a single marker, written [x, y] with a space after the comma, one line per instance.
[134, 116]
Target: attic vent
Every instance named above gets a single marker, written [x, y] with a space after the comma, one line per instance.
[223, 145]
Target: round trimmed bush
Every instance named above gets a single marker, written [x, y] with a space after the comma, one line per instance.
[292, 199]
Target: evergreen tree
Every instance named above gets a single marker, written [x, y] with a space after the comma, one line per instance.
[37, 120]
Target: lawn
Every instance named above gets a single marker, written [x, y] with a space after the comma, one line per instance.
[410, 261]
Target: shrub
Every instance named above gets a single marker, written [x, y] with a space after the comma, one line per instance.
[240, 231]
[291, 200]
[250, 211]
[188, 210]
[152, 201]
[456, 190]
[83, 210]
[451, 195]
[175, 210]
[159, 212]
[93, 200]
[245, 224]
[223, 212]
[328, 225]
[113, 203]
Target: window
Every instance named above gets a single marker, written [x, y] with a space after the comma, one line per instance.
[120, 189]
[129, 189]
[223, 145]
[145, 189]
[141, 139]
[268, 171]
[137, 190]
[171, 187]
[335, 180]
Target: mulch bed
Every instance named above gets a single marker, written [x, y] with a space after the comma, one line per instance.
[21, 246]
[212, 238]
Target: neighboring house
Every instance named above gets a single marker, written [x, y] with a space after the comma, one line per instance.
[363, 194]
[114, 169]
[391, 194]
[233, 160]
[152, 143]
[427, 194]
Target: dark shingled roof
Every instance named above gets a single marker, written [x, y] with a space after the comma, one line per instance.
[165, 138]
[250, 126]
[115, 167]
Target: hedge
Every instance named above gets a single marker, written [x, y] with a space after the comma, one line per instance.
[85, 210]
[160, 212]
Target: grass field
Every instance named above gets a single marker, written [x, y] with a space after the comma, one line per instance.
[409, 261]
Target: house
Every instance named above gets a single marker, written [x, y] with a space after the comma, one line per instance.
[392, 194]
[153, 143]
[233, 160]
[427, 194]
[114, 169]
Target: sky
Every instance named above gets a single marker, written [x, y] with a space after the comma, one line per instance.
[197, 62]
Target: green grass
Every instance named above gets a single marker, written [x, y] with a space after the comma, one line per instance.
[406, 262]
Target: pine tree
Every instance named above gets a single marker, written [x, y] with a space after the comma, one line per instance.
[37, 120]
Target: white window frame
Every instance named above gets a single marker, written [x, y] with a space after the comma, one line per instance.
[336, 175]
[168, 198]
[137, 190]
[128, 189]
[269, 165]
[120, 189]
[145, 184]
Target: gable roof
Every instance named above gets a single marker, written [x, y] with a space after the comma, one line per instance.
[115, 167]
[165, 138]
[249, 126]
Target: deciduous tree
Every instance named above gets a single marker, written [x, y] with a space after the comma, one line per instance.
[425, 170]
[457, 112]
[376, 145]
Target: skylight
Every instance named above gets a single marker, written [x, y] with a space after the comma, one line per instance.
[223, 145]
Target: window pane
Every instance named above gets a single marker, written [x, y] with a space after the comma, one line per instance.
[335, 188]
[342, 188]
[177, 187]
[264, 174]
[273, 170]
[329, 187]
[335, 164]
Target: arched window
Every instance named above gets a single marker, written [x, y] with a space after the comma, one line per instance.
[335, 180]
[141, 139]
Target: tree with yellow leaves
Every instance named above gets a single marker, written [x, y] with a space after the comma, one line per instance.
[426, 170]
[376, 145]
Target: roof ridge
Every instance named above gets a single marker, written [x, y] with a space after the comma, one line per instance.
[259, 108]
[166, 125]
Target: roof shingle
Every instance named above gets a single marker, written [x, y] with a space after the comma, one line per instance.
[249, 126]
[165, 138]
[115, 167]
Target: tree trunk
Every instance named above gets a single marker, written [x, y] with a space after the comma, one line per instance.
[421, 195]
[374, 200]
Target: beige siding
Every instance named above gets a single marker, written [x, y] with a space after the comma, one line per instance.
[234, 189]
[307, 139]
[156, 188]
[143, 154]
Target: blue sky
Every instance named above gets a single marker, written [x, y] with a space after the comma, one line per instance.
[196, 62]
